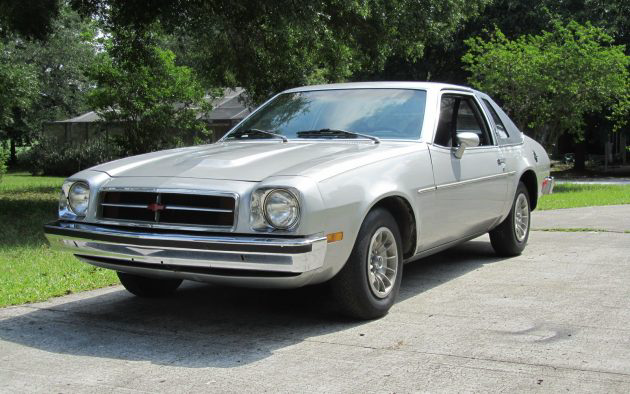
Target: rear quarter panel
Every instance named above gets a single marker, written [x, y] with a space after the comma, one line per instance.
[528, 156]
[539, 161]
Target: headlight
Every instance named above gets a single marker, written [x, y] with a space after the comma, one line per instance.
[281, 209]
[78, 198]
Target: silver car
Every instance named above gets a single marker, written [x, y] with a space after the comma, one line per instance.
[342, 183]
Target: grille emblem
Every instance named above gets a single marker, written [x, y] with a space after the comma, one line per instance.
[155, 207]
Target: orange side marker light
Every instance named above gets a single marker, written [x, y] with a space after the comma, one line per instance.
[334, 237]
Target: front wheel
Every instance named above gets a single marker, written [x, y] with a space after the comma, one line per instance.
[367, 286]
[510, 237]
[143, 286]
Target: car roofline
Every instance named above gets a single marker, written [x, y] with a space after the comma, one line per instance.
[381, 85]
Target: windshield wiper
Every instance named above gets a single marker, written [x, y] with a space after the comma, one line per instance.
[259, 131]
[335, 133]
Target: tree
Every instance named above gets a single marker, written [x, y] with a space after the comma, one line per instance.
[442, 58]
[19, 87]
[139, 85]
[4, 157]
[31, 19]
[549, 82]
[267, 46]
[61, 63]
[57, 65]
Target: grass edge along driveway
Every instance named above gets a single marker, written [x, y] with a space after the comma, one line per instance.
[30, 271]
[572, 195]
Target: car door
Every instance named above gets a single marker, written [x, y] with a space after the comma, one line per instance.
[471, 190]
[509, 139]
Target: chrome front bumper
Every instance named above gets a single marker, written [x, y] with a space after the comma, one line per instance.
[189, 255]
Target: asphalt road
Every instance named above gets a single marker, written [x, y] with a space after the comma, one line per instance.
[556, 319]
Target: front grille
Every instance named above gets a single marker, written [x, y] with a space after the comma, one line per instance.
[164, 208]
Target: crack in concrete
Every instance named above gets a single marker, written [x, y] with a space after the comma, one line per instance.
[478, 358]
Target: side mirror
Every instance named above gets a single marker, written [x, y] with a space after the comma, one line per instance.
[466, 140]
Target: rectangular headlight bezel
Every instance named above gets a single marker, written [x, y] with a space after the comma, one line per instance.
[257, 219]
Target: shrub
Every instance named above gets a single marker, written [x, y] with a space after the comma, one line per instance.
[4, 157]
[48, 157]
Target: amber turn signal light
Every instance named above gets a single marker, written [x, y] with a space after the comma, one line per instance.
[334, 237]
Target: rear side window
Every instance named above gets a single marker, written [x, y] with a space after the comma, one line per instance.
[501, 130]
[507, 132]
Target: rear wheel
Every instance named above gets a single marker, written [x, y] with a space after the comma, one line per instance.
[143, 286]
[367, 286]
[510, 237]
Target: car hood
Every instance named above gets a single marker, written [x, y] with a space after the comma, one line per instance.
[253, 161]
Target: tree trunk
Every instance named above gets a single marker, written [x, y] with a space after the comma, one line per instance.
[13, 156]
[580, 156]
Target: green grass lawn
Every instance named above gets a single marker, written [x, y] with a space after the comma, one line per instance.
[29, 269]
[571, 195]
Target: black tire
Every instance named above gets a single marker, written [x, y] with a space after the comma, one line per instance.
[351, 288]
[504, 238]
[143, 286]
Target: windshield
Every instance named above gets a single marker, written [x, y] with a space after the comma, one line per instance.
[381, 113]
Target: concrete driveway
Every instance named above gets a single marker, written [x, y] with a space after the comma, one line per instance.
[615, 218]
[556, 318]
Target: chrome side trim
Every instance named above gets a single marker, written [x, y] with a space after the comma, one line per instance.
[461, 183]
[469, 181]
[426, 189]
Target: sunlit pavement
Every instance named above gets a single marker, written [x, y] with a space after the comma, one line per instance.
[556, 318]
[615, 218]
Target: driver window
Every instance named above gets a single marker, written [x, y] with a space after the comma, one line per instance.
[448, 114]
[469, 119]
[460, 114]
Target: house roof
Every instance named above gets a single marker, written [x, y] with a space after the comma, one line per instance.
[84, 118]
[231, 106]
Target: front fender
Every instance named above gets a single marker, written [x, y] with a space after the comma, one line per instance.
[350, 196]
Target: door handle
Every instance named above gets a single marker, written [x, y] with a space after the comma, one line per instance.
[500, 161]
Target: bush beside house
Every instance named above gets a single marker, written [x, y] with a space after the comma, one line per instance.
[50, 158]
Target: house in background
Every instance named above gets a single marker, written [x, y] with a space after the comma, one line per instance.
[226, 112]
